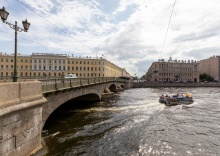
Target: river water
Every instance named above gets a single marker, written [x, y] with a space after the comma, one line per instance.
[136, 124]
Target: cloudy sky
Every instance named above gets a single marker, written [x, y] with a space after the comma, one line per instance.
[129, 33]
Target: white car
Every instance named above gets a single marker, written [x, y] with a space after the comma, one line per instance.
[71, 76]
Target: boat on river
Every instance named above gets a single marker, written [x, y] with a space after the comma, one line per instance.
[176, 99]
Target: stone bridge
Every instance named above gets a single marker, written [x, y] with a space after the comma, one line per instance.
[26, 106]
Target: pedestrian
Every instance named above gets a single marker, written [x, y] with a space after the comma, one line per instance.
[62, 76]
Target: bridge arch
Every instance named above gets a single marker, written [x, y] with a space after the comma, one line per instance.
[57, 99]
[112, 88]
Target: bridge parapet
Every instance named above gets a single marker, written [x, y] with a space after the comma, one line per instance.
[53, 85]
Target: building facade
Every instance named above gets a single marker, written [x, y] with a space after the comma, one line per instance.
[173, 70]
[53, 65]
[210, 66]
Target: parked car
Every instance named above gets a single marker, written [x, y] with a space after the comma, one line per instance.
[206, 81]
[68, 76]
[190, 81]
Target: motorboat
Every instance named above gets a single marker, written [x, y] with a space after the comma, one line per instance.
[176, 99]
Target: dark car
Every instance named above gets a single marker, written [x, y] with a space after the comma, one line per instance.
[190, 81]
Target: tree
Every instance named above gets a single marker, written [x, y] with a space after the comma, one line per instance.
[206, 77]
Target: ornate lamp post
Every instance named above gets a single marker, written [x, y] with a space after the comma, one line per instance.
[4, 15]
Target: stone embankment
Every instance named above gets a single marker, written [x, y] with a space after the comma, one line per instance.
[154, 84]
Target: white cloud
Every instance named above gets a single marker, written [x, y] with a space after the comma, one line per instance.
[136, 39]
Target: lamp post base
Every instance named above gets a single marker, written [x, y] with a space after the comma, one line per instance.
[15, 78]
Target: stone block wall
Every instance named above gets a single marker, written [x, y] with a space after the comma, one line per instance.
[20, 118]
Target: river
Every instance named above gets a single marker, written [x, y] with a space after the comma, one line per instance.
[136, 124]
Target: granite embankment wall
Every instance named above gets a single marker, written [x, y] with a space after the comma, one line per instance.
[20, 118]
[153, 84]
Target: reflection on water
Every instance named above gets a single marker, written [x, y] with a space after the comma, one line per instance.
[136, 124]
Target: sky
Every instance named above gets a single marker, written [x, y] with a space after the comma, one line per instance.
[130, 33]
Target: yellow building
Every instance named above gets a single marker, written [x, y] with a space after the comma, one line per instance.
[173, 70]
[38, 65]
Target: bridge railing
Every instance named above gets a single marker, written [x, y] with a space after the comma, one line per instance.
[50, 85]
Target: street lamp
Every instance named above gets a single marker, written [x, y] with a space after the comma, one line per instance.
[4, 15]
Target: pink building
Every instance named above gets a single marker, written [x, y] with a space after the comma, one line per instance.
[210, 66]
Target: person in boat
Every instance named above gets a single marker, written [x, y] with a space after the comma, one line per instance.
[188, 95]
[166, 99]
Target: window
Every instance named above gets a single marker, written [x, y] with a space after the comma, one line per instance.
[6, 60]
[76, 68]
[84, 68]
[91, 68]
[76, 62]
[68, 67]
[6, 66]
[72, 68]
[26, 74]
[72, 62]
[11, 60]
[68, 62]
[88, 68]
[2, 60]
[80, 62]
[80, 68]
[21, 60]
[11, 66]
[26, 60]
[2, 66]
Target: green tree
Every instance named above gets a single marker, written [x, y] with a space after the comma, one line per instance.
[206, 77]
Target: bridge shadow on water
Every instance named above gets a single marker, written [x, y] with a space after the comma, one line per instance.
[63, 125]
[68, 108]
